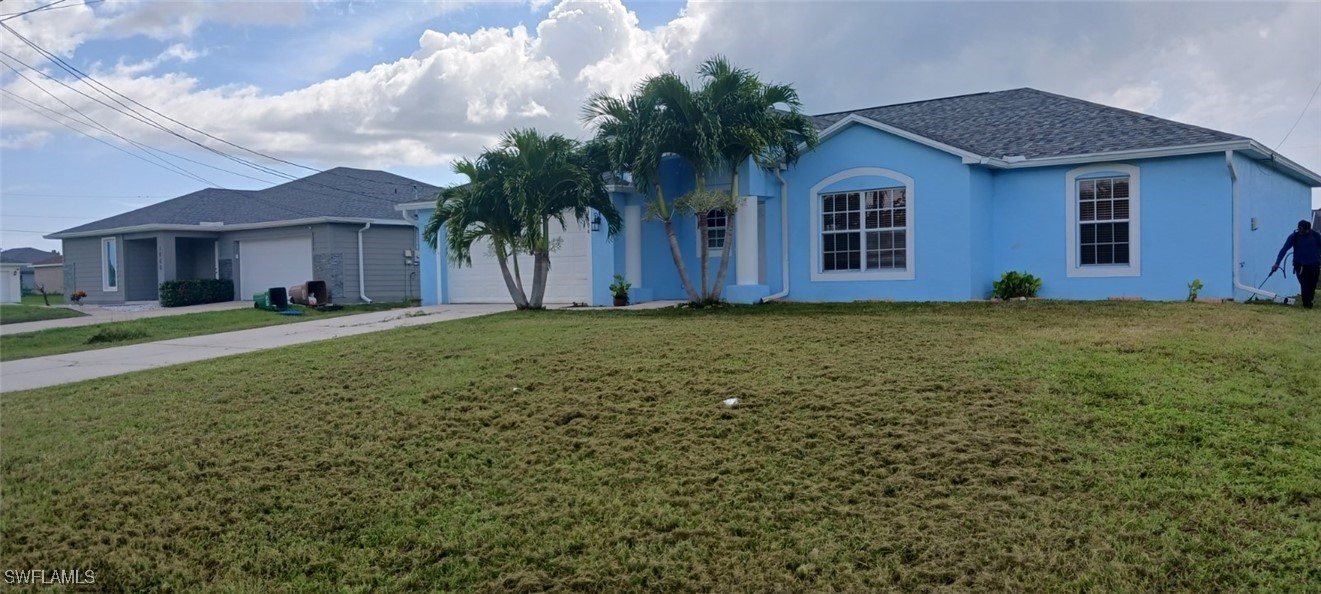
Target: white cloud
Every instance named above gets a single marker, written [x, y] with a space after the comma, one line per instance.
[25, 140]
[459, 90]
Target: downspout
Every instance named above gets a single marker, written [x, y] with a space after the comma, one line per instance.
[362, 278]
[1233, 180]
[784, 237]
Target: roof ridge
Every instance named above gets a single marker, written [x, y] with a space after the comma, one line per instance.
[1146, 116]
[819, 115]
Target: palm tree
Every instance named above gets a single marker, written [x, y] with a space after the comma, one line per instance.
[636, 134]
[732, 117]
[752, 126]
[513, 193]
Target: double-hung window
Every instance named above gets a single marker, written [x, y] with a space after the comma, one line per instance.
[864, 230]
[1103, 211]
[1104, 207]
[716, 225]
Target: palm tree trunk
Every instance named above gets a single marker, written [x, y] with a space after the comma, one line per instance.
[729, 238]
[541, 265]
[515, 291]
[675, 252]
[704, 254]
[518, 275]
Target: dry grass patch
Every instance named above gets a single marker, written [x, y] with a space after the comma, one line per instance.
[973, 447]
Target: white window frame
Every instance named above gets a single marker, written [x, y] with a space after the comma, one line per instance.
[1073, 268]
[909, 272]
[105, 268]
[713, 252]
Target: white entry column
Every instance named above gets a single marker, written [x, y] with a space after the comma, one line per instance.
[747, 254]
[633, 244]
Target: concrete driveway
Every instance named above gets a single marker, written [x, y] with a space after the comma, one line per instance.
[40, 372]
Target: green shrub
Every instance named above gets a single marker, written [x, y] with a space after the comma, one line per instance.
[192, 292]
[117, 334]
[1193, 288]
[1013, 285]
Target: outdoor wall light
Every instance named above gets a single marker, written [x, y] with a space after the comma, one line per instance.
[596, 223]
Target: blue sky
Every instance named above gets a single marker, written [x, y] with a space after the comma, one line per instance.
[409, 86]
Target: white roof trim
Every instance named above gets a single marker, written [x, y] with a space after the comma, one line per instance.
[1014, 162]
[415, 205]
[223, 228]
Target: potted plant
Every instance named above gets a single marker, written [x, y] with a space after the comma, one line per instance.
[619, 289]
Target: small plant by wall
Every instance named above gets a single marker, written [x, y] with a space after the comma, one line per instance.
[194, 292]
[1013, 285]
[1193, 288]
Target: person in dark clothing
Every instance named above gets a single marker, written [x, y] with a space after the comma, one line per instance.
[1306, 246]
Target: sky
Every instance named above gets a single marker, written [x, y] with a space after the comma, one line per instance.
[409, 86]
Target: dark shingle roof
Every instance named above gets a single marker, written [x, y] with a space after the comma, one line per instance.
[24, 255]
[338, 193]
[1033, 124]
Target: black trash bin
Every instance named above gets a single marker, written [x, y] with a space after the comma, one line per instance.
[279, 297]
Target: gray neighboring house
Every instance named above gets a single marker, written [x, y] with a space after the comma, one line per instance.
[339, 226]
[29, 257]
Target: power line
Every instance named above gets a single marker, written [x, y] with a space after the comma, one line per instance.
[103, 141]
[19, 216]
[14, 15]
[131, 113]
[47, 8]
[87, 77]
[107, 130]
[1300, 116]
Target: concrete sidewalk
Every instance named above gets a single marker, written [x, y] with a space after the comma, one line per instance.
[97, 314]
[40, 372]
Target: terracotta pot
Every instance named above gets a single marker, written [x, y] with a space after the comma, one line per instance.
[621, 301]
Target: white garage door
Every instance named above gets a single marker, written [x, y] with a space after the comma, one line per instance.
[273, 263]
[569, 280]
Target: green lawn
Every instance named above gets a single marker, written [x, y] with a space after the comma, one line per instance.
[35, 299]
[112, 334]
[991, 447]
[15, 313]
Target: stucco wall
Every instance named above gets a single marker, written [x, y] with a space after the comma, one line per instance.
[1185, 230]
[938, 206]
[1277, 202]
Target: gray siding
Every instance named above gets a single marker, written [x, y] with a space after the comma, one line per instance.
[389, 276]
[141, 271]
[228, 262]
[194, 258]
[334, 260]
[83, 258]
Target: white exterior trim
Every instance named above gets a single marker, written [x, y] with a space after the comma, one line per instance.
[1014, 162]
[1134, 266]
[633, 244]
[105, 270]
[222, 228]
[910, 250]
[747, 231]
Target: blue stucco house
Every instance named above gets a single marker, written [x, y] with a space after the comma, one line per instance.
[934, 200]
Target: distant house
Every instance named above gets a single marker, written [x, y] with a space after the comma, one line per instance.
[49, 274]
[27, 257]
[339, 226]
[934, 200]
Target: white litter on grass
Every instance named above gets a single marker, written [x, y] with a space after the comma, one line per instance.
[731, 402]
[517, 389]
